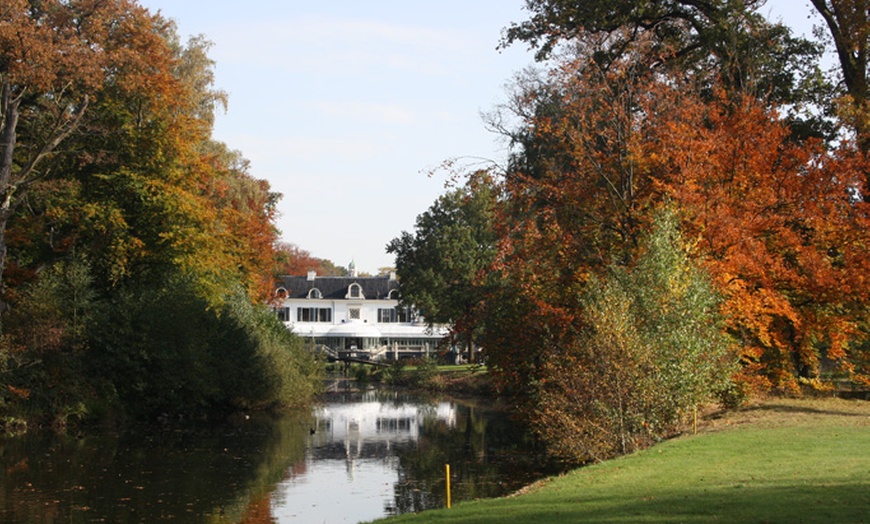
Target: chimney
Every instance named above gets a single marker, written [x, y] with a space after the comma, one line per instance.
[312, 275]
[392, 275]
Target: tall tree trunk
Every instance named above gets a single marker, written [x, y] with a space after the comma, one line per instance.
[13, 185]
[469, 343]
[8, 125]
[848, 23]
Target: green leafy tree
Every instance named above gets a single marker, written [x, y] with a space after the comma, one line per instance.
[651, 350]
[721, 35]
[163, 351]
[56, 57]
[720, 42]
[442, 267]
[171, 222]
[47, 338]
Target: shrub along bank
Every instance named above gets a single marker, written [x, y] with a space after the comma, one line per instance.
[154, 352]
[426, 375]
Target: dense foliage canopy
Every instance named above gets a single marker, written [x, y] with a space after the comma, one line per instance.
[132, 244]
[686, 196]
[443, 264]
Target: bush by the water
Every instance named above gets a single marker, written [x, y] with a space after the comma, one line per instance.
[651, 351]
[421, 373]
[149, 352]
[167, 353]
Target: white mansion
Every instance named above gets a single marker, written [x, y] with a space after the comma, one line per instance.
[354, 316]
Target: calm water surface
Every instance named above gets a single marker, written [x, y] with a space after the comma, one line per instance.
[356, 457]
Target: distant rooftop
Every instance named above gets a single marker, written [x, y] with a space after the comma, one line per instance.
[336, 288]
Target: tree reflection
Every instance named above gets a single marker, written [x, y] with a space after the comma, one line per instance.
[222, 474]
[379, 453]
[489, 456]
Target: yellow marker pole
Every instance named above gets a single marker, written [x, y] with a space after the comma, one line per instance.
[447, 466]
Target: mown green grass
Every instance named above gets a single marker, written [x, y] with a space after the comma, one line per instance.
[463, 368]
[780, 461]
[460, 369]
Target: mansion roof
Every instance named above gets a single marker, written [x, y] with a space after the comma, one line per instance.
[336, 288]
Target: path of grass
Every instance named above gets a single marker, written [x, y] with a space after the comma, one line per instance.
[781, 461]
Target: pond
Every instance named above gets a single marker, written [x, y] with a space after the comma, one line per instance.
[357, 456]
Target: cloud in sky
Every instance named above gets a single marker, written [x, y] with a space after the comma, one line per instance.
[338, 46]
[344, 105]
[293, 149]
[386, 113]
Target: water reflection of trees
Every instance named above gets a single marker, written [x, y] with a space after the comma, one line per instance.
[489, 456]
[229, 474]
[222, 474]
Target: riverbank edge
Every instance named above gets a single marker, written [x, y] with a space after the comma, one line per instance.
[461, 381]
[805, 416]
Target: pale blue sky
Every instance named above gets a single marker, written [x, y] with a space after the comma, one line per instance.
[345, 105]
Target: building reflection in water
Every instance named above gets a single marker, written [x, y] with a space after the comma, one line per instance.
[352, 462]
[357, 457]
[371, 429]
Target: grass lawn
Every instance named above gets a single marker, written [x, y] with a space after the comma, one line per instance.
[452, 369]
[463, 368]
[778, 461]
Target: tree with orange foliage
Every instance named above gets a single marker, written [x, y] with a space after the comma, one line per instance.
[730, 43]
[293, 260]
[55, 56]
[243, 224]
[150, 215]
[781, 229]
[778, 222]
[575, 204]
[144, 188]
[848, 23]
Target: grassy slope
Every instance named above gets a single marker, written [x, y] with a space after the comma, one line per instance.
[780, 461]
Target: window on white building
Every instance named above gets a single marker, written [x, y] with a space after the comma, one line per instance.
[394, 314]
[353, 313]
[283, 314]
[313, 314]
[354, 291]
[315, 294]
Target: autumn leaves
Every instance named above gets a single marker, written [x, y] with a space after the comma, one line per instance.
[645, 116]
[140, 249]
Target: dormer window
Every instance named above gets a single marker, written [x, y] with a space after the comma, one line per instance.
[355, 291]
[281, 293]
[315, 294]
[393, 295]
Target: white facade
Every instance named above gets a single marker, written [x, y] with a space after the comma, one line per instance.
[355, 317]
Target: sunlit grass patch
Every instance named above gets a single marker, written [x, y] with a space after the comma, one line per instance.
[780, 461]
